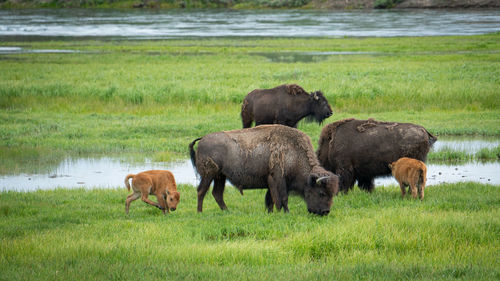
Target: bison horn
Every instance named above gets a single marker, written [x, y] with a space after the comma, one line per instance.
[322, 178]
[315, 96]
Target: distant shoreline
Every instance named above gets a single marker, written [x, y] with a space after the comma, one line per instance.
[252, 4]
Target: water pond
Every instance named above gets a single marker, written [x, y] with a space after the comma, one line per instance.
[109, 172]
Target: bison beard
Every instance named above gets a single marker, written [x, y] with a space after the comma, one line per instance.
[285, 104]
[360, 150]
[273, 157]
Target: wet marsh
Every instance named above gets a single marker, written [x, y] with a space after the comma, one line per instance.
[114, 108]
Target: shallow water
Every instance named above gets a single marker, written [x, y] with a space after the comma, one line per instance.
[150, 24]
[19, 50]
[91, 173]
[110, 173]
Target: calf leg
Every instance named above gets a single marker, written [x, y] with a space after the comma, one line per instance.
[132, 197]
[218, 191]
[202, 190]
[162, 202]
[414, 192]
[146, 200]
[421, 188]
[403, 189]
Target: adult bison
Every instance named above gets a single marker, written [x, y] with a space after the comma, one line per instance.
[285, 105]
[360, 150]
[275, 157]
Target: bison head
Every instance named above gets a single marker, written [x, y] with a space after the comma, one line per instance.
[320, 109]
[319, 193]
[172, 199]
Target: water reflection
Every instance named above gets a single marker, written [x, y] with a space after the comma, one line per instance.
[19, 50]
[146, 24]
[292, 57]
[110, 173]
[92, 172]
[470, 145]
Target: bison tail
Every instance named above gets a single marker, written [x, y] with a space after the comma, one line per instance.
[192, 153]
[246, 114]
[432, 139]
[421, 177]
[127, 184]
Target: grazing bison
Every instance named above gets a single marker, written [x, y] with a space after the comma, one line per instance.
[158, 182]
[285, 105]
[410, 172]
[276, 157]
[360, 150]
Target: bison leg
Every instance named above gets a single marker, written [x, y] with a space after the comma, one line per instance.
[132, 197]
[247, 123]
[162, 202]
[218, 191]
[146, 200]
[277, 187]
[403, 189]
[202, 190]
[421, 188]
[366, 184]
[346, 179]
[269, 202]
[414, 192]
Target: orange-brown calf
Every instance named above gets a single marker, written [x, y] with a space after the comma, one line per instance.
[155, 182]
[410, 172]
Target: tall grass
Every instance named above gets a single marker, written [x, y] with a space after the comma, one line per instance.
[154, 97]
[448, 154]
[85, 235]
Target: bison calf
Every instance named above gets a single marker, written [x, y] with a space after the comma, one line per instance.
[410, 172]
[155, 182]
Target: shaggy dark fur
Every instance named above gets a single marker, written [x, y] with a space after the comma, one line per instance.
[274, 157]
[285, 104]
[360, 150]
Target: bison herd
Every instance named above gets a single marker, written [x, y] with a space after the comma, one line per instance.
[276, 156]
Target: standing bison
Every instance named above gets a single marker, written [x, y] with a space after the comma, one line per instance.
[285, 105]
[360, 150]
[275, 157]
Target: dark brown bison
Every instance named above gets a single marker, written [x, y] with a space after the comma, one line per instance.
[285, 105]
[360, 150]
[275, 157]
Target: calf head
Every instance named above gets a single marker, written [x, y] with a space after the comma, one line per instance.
[320, 109]
[319, 193]
[172, 199]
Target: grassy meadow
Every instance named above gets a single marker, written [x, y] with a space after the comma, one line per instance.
[85, 235]
[154, 97]
[150, 98]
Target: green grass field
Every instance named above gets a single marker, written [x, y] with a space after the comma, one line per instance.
[85, 235]
[151, 98]
[154, 97]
